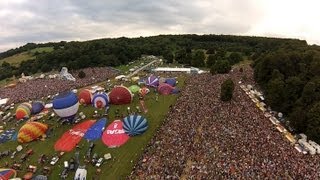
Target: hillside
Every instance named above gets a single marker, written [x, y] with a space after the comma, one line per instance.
[16, 59]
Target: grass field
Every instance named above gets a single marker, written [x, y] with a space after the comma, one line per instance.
[16, 59]
[123, 158]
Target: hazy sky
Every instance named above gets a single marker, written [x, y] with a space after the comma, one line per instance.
[25, 21]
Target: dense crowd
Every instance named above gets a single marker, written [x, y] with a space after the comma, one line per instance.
[205, 138]
[38, 88]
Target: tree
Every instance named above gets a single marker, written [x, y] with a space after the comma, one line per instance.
[221, 67]
[313, 125]
[234, 58]
[211, 51]
[211, 60]
[168, 56]
[227, 88]
[275, 95]
[82, 75]
[198, 59]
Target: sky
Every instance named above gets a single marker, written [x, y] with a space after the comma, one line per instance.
[24, 21]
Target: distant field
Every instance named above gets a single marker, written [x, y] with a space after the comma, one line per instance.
[15, 60]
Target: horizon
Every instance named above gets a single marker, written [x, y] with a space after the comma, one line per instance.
[52, 21]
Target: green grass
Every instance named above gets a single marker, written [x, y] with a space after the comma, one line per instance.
[16, 59]
[124, 157]
[41, 50]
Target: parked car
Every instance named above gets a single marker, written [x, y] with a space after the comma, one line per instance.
[94, 158]
[13, 154]
[54, 160]
[64, 173]
[72, 165]
[99, 162]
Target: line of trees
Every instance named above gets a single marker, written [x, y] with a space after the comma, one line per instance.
[291, 83]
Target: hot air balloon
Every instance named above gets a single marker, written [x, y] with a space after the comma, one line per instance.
[171, 81]
[23, 110]
[120, 95]
[95, 131]
[143, 91]
[165, 89]
[85, 96]
[114, 135]
[31, 131]
[100, 100]
[66, 105]
[152, 81]
[162, 80]
[135, 125]
[134, 88]
[37, 107]
[7, 173]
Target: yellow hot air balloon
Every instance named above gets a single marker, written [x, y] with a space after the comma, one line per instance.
[31, 131]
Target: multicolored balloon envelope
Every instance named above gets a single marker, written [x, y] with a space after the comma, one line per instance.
[114, 135]
[135, 125]
[120, 95]
[31, 131]
[165, 89]
[37, 107]
[66, 105]
[152, 81]
[100, 100]
[143, 91]
[85, 96]
[23, 110]
[96, 130]
[7, 174]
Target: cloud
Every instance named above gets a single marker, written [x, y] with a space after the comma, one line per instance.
[54, 20]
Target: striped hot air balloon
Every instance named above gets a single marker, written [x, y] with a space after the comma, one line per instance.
[152, 81]
[31, 131]
[23, 110]
[85, 96]
[100, 100]
[66, 105]
[135, 125]
[7, 174]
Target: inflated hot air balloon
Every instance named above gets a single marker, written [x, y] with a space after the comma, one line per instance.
[31, 131]
[165, 89]
[37, 107]
[135, 125]
[23, 110]
[143, 91]
[134, 88]
[66, 105]
[120, 95]
[171, 81]
[152, 81]
[7, 173]
[85, 96]
[100, 100]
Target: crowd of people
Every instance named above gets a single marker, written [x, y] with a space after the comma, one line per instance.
[39, 88]
[205, 138]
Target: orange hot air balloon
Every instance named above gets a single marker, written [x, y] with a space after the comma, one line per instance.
[31, 131]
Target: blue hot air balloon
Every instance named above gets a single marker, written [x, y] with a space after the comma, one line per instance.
[171, 81]
[135, 125]
[37, 107]
[96, 130]
[66, 105]
[100, 100]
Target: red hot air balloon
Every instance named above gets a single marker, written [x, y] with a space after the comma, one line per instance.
[85, 96]
[120, 95]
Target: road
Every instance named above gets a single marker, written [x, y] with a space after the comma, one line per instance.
[141, 68]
